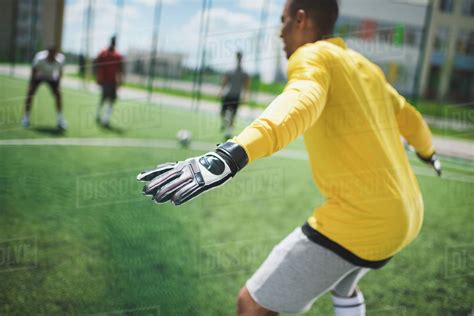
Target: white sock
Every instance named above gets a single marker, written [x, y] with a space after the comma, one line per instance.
[229, 132]
[60, 117]
[25, 121]
[108, 113]
[349, 306]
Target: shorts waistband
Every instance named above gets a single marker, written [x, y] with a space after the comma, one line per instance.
[327, 243]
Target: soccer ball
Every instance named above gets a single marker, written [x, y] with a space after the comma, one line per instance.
[184, 138]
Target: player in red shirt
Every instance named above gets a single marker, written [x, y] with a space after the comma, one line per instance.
[109, 75]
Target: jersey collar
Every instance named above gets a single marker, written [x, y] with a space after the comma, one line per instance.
[338, 41]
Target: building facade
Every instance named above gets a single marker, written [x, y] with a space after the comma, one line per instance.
[167, 64]
[448, 58]
[27, 26]
[389, 33]
[425, 47]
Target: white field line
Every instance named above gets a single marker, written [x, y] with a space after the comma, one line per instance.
[445, 146]
[198, 146]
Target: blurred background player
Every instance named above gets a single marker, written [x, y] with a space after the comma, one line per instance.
[47, 67]
[231, 90]
[109, 75]
[82, 66]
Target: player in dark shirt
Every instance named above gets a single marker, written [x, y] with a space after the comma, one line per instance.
[231, 90]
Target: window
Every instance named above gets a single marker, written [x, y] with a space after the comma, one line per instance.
[441, 39]
[470, 44]
[412, 36]
[465, 43]
[468, 7]
[446, 6]
[461, 42]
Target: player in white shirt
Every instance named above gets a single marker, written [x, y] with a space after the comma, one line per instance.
[48, 68]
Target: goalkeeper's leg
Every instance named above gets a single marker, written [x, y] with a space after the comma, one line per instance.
[246, 306]
[353, 305]
[295, 274]
[347, 297]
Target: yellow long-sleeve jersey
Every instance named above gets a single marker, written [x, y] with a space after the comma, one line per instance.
[351, 119]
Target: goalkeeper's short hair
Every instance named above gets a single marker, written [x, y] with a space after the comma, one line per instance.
[324, 13]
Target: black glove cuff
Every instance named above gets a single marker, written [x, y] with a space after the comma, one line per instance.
[427, 159]
[234, 155]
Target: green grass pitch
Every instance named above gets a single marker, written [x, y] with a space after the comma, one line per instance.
[77, 236]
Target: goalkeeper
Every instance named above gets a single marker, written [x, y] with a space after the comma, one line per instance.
[352, 120]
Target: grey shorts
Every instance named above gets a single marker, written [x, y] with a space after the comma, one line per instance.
[297, 272]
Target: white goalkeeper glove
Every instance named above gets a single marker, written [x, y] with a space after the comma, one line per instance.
[182, 181]
[433, 160]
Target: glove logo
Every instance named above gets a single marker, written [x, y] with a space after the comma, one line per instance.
[212, 164]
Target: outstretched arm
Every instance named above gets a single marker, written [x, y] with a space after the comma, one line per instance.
[293, 111]
[286, 118]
